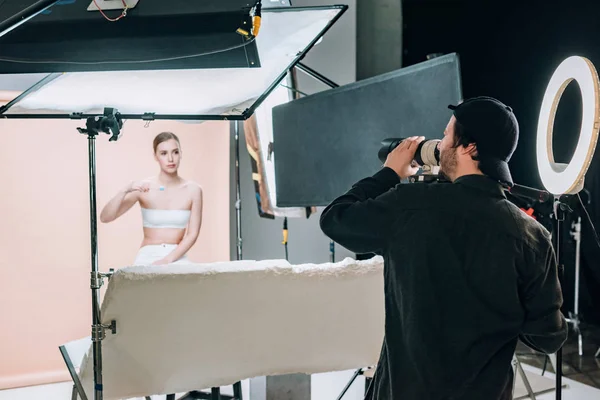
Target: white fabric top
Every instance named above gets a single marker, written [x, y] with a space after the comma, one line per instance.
[196, 326]
[154, 218]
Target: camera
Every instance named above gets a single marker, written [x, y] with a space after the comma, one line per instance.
[427, 154]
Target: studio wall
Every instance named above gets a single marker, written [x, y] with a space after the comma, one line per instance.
[45, 297]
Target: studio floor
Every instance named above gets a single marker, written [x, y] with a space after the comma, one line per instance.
[324, 387]
[581, 376]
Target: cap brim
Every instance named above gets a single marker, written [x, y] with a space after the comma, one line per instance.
[452, 107]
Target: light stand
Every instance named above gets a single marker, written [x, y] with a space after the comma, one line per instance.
[574, 317]
[237, 387]
[110, 121]
[559, 209]
[567, 179]
[238, 201]
[558, 217]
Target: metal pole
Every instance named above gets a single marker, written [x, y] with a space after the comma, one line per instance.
[577, 237]
[238, 200]
[21, 17]
[556, 242]
[97, 330]
[237, 387]
[317, 75]
[332, 251]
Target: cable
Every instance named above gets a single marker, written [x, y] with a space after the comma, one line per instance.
[14, 60]
[123, 13]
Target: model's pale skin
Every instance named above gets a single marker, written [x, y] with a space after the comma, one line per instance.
[178, 194]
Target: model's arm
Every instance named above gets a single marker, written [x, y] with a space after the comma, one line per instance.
[193, 230]
[545, 328]
[122, 202]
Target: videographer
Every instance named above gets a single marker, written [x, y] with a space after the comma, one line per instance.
[466, 272]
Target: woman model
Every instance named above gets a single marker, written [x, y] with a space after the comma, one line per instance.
[171, 207]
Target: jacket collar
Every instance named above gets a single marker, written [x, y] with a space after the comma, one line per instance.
[483, 183]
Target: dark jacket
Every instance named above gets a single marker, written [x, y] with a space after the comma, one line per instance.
[466, 274]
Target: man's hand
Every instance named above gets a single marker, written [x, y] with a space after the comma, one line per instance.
[401, 158]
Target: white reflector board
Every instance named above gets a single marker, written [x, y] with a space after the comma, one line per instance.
[196, 326]
[286, 35]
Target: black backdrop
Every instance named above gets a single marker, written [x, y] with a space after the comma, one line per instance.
[509, 49]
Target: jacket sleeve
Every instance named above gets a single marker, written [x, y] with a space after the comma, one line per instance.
[361, 220]
[545, 328]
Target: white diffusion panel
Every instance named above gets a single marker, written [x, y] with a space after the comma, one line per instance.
[198, 326]
[284, 34]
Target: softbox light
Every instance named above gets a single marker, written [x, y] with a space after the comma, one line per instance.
[325, 142]
[286, 35]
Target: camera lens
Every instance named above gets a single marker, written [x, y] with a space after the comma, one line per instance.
[427, 152]
[387, 146]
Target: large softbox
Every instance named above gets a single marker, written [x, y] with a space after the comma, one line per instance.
[162, 82]
[325, 142]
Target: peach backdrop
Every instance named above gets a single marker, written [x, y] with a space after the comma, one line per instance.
[45, 299]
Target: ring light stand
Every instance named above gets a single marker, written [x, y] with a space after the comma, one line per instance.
[561, 179]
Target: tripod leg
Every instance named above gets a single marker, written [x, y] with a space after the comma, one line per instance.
[524, 377]
[552, 358]
[215, 393]
[74, 393]
[368, 382]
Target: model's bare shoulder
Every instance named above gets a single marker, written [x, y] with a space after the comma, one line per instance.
[194, 188]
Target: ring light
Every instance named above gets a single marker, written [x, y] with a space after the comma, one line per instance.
[557, 178]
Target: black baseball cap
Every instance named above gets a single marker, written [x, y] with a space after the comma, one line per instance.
[493, 127]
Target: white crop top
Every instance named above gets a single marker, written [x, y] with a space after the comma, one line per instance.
[153, 218]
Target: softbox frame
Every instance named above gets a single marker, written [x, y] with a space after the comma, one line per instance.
[325, 142]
